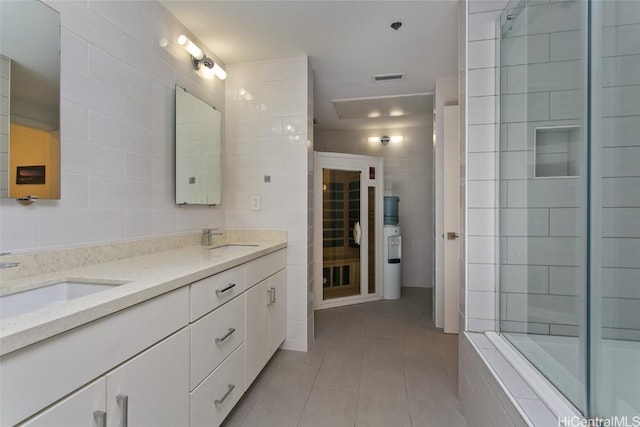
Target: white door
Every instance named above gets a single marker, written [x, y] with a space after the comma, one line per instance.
[452, 219]
[257, 332]
[348, 202]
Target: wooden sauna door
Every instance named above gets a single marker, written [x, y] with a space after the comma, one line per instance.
[346, 224]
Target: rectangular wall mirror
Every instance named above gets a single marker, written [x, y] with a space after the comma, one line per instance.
[198, 151]
[29, 100]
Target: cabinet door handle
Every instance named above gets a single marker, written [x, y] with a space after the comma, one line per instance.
[100, 417]
[123, 402]
[223, 290]
[269, 296]
[220, 401]
[225, 336]
[273, 295]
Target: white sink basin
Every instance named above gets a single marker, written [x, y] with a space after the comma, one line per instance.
[55, 293]
[231, 249]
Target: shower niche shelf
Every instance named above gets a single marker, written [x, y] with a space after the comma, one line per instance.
[557, 151]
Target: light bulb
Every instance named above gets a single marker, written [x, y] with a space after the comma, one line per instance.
[190, 47]
[219, 71]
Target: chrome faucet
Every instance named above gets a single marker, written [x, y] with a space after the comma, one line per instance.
[207, 235]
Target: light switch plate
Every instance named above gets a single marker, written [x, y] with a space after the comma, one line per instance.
[255, 203]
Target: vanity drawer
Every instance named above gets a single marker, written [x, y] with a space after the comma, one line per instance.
[215, 336]
[263, 267]
[213, 291]
[212, 400]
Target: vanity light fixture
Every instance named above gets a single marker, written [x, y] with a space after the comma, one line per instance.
[384, 140]
[198, 58]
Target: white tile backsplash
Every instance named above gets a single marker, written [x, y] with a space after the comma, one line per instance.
[117, 142]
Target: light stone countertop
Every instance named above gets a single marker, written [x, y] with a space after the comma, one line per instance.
[145, 277]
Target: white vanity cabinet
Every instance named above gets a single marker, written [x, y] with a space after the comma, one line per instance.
[40, 375]
[152, 389]
[266, 312]
[183, 358]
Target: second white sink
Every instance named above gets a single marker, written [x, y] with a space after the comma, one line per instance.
[230, 249]
[55, 293]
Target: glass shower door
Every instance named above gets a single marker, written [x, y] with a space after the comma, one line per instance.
[543, 187]
[615, 210]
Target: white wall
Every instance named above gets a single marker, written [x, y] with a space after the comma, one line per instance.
[408, 166]
[117, 114]
[269, 134]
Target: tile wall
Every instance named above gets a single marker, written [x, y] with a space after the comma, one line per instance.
[269, 154]
[481, 157]
[541, 136]
[117, 114]
[619, 155]
[408, 170]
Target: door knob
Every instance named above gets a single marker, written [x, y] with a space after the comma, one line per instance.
[452, 235]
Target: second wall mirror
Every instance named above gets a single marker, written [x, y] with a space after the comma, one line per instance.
[198, 151]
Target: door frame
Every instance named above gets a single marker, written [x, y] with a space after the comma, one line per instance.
[349, 162]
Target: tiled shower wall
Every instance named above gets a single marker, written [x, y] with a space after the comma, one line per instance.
[541, 217]
[620, 163]
[269, 154]
[557, 99]
[482, 133]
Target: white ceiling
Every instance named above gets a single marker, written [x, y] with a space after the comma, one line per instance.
[347, 43]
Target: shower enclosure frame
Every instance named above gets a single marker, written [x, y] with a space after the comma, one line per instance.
[598, 391]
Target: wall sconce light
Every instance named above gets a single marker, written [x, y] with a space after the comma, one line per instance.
[384, 140]
[198, 58]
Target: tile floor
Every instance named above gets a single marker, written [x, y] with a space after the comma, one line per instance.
[376, 364]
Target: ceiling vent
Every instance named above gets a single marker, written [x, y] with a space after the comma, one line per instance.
[387, 77]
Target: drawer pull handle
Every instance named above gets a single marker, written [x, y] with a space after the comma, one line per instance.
[222, 291]
[220, 401]
[100, 417]
[271, 295]
[225, 336]
[123, 402]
